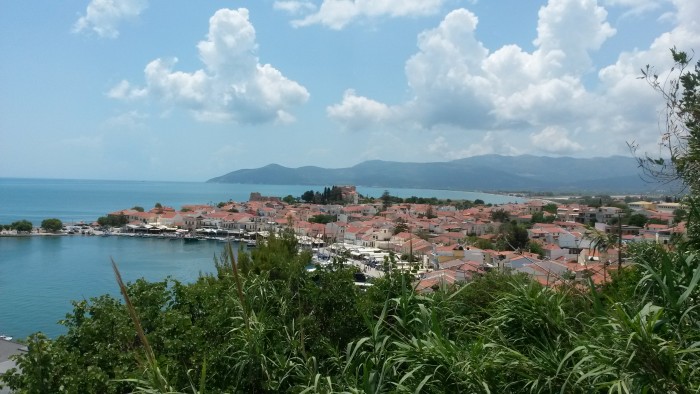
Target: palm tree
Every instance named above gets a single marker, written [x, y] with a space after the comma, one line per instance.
[602, 242]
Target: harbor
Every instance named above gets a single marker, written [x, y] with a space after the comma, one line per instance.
[42, 276]
[77, 267]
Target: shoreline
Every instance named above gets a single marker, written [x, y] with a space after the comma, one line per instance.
[7, 350]
[33, 234]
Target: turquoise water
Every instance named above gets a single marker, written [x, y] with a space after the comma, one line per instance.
[39, 276]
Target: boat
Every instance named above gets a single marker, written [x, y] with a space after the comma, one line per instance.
[6, 337]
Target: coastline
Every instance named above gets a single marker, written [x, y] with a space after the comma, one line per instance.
[6, 235]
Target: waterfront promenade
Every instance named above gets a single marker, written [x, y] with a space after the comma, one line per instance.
[7, 349]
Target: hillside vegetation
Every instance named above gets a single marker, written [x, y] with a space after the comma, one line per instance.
[270, 326]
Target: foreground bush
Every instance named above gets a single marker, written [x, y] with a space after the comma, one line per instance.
[243, 331]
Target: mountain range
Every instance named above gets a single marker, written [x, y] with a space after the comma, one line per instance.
[615, 174]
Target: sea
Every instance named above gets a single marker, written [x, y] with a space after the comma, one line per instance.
[40, 276]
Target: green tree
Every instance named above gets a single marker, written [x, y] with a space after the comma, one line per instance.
[112, 220]
[657, 221]
[679, 215]
[539, 217]
[534, 247]
[638, 220]
[308, 196]
[52, 225]
[603, 242]
[289, 199]
[512, 236]
[22, 226]
[386, 200]
[137, 208]
[551, 208]
[482, 243]
[464, 204]
[422, 234]
[500, 215]
[400, 226]
[681, 136]
[334, 301]
[322, 218]
[429, 213]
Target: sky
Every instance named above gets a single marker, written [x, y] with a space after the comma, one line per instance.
[189, 90]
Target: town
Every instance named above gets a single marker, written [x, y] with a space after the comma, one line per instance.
[445, 243]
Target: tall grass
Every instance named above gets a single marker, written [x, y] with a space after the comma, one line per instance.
[530, 338]
[242, 331]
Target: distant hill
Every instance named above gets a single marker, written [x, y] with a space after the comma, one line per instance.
[616, 174]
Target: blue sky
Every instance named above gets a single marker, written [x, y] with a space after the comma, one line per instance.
[184, 90]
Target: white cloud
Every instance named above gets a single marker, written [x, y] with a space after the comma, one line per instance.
[104, 16]
[556, 140]
[124, 91]
[439, 145]
[687, 15]
[356, 111]
[232, 86]
[445, 75]
[632, 105]
[492, 142]
[537, 97]
[294, 7]
[635, 6]
[455, 80]
[569, 29]
[336, 14]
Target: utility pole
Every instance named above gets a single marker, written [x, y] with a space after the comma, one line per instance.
[619, 242]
